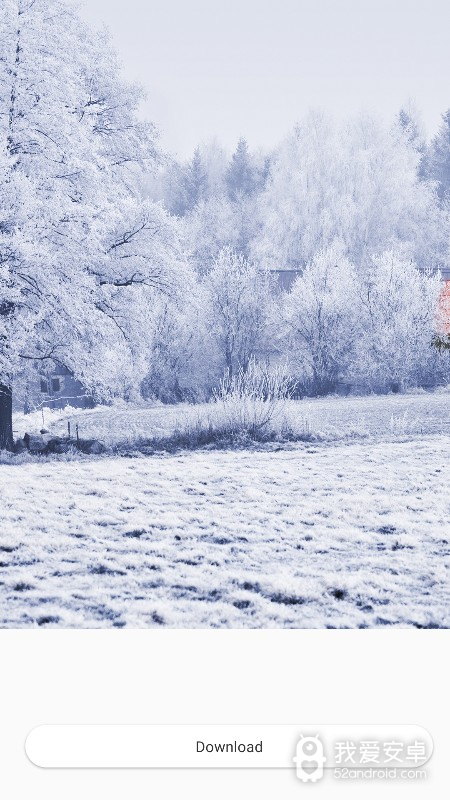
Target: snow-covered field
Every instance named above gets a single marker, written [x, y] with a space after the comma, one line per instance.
[329, 418]
[341, 531]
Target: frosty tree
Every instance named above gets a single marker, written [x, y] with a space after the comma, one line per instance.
[240, 296]
[80, 253]
[398, 311]
[439, 157]
[241, 176]
[187, 184]
[356, 183]
[210, 227]
[320, 319]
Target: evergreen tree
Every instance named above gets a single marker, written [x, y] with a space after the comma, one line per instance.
[409, 124]
[240, 178]
[439, 157]
[186, 185]
[195, 181]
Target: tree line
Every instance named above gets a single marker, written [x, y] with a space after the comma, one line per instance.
[144, 274]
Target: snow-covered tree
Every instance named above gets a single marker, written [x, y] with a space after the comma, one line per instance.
[399, 305]
[411, 126]
[219, 222]
[240, 296]
[241, 176]
[438, 160]
[409, 121]
[215, 160]
[182, 186]
[183, 362]
[186, 185]
[320, 321]
[80, 253]
[355, 183]
[208, 229]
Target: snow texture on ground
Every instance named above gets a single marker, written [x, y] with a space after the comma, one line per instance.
[328, 418]
[329, 534]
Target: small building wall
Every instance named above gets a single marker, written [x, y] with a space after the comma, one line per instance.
[57, 389]
[444, 309]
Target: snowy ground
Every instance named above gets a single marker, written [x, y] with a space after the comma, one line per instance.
[348, 533]
[329, 418]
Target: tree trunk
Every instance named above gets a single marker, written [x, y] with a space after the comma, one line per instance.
[6, 430]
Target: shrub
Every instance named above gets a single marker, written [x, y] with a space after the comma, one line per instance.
[252, 401]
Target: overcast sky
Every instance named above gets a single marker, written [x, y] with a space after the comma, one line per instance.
[251, 68]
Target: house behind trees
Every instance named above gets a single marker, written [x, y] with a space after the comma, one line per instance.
[56, 388]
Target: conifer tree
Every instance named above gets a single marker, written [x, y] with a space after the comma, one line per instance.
[240, 176]
[439, 158]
